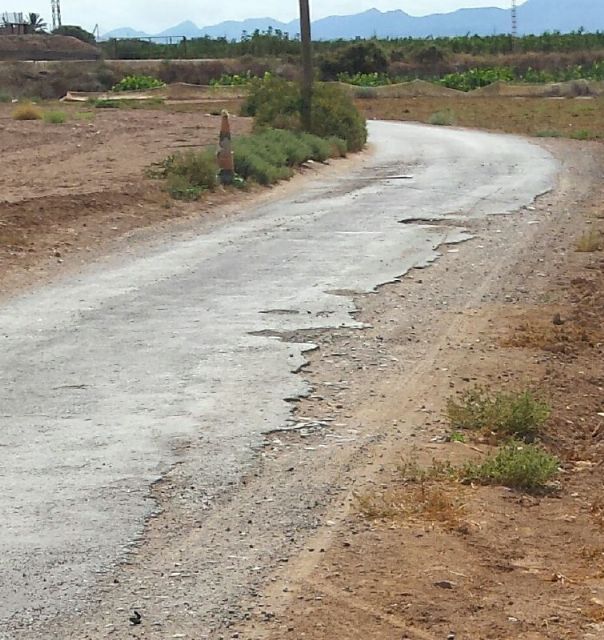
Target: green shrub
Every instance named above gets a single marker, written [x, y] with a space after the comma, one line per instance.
[270, 155]
[444, 118]
[274, 102]
[55, 117]
[364, 57]
[5, 97]
[476, 78]
[290, 149]
[101, 103]
[27, 111]
[234, 79]
[137, 83]
[190, 174]
[320, 149]
[271, 97]
[265, 157]
[335, 114]
[581, 134]
[75, 32]
[516, 414]
[516, 465]
[339, 147]
[365, 79]
[254, 163]
[180, 188]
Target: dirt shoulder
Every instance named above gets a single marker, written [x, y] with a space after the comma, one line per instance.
[401, 559]
[70, 190]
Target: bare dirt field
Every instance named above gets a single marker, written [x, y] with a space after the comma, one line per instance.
[580, 118]
[68, 188]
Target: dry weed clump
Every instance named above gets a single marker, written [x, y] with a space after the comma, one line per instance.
[28, 111]
[590, 242]
[537, 333]
[419, 503]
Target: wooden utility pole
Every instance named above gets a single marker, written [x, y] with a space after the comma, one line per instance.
[307, 71]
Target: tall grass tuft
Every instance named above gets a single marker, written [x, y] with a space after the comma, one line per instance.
[516, 465]
[506, 414]
[27, 111]
[55, 117]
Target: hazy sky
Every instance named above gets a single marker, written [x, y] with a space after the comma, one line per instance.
[155, 16]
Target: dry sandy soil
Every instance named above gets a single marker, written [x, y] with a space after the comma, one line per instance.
[66, 189]
[400, 559]
[440, 557]
[580, 118]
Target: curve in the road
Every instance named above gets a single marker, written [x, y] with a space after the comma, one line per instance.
[103, 376]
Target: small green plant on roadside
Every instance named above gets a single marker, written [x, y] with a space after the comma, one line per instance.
[444, 118]
[581, 134]
[506, 414]
[55, 117]
[516, 465]
[590, 242]
[456, 436]
[27, 111]
[5, 97]
[138, 83]
[189, 174]
[548, 133]
[180, 188]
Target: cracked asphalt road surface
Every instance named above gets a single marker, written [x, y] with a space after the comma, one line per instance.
[106, 376]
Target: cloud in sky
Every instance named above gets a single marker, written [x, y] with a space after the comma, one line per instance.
[156, 16]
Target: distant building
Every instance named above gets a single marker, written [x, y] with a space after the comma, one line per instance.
[13, 24]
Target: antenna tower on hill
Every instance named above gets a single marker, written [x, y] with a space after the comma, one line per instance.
[56, 14]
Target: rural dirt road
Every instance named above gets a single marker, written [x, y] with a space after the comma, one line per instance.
[138, 399]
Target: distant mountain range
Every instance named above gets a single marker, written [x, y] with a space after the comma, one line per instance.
[534, 17]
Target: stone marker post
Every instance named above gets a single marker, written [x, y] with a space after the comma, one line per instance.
[226, 159]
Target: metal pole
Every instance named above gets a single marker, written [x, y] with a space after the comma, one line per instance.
[514, 25]
[307, 71]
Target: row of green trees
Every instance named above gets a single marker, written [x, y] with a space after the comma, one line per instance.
[278, 43]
